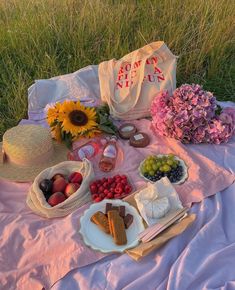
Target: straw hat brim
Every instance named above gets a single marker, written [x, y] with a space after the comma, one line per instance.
[18, 173]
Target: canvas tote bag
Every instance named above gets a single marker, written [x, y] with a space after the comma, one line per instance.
[129, 84]
[37, 202]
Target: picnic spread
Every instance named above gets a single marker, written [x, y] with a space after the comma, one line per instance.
[119, 179]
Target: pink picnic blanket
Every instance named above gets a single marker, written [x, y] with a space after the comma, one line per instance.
[36, 252]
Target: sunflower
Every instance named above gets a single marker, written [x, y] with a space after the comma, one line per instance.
[53, 113]
[56, 133]
[76, 119]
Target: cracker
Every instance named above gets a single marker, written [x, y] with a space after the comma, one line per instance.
[117, 228]
[101, 221]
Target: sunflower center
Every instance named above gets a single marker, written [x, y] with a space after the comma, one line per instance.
[78, 118]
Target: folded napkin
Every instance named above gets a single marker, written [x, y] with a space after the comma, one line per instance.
[157, 200]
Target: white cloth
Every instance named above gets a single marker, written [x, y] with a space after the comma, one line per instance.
[80, 85]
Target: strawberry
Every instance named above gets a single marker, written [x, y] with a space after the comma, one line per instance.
[117, 195]
[124, 177]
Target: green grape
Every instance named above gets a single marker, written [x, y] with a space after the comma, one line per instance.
[158, 164]
[149, 168]
[164, 158]
[161, 168]
[148, 162]
[174, 165]
[166, 168]
[170, 162]
[171, 156]
[155, 167]
[144, 167]
[151, 173]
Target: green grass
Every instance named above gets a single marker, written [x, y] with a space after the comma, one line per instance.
[45, 38]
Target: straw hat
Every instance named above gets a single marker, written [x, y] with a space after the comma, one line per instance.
[26, 150]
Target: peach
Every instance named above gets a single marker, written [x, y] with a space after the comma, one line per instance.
[56, 176]
[75, 177]
[59, 185]
[71, 188]
[56, 198]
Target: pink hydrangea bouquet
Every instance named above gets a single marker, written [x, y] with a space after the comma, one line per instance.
[191, 115]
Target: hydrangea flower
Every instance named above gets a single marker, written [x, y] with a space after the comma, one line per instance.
[189, 115]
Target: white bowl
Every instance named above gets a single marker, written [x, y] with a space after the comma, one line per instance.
[182, 163]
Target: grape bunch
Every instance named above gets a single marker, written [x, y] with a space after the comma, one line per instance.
[156, 167]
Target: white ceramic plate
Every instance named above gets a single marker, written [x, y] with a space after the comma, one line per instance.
[182, 163]
[98, 240]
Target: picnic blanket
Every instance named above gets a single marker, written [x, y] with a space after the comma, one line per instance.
[37, 252]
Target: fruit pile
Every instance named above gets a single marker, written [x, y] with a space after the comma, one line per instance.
[156, 167]
[58, 188]
[111, 187]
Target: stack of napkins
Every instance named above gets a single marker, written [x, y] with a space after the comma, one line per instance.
[157, 201]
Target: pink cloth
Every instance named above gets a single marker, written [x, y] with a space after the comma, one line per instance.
[205, 176]
[36, 252]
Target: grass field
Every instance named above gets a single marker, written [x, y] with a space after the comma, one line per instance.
[44, 38]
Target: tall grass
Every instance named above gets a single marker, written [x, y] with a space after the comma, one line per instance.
[44, 38]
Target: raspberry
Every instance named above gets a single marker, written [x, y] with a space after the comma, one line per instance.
[110, 195]
[118, 190]
[105, 184]
[110, 180]
[98, 199]
[128, 189]
[93, 188]
[106, 191]
[113, 185]
[124, 181]
[100, 189]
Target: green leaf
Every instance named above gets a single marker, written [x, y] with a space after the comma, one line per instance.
[68, 140]
[107, 129]
[103, 119]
